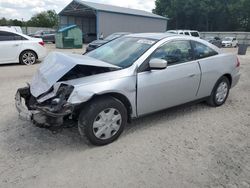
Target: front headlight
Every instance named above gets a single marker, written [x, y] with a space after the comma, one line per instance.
[64, 92]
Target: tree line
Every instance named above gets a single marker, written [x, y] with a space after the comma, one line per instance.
[43, 19]
[205, 15]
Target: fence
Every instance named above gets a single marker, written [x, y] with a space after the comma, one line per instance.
[29, 30]
[242, 37]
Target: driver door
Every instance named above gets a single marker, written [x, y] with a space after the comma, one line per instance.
[174, 85]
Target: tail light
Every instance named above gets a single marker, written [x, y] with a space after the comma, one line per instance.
[238, 62]
[42, 43]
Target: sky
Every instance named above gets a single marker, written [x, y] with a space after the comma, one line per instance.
[24, 9]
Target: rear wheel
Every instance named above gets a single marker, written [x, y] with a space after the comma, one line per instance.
[103, 120]
[220, 92]
[28, 58]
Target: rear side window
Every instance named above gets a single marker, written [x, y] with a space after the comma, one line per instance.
[186, 33]
[202, 51]
[174, 52]
[8, 36]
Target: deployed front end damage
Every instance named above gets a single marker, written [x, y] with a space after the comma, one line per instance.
[47, 113]
[45, 100]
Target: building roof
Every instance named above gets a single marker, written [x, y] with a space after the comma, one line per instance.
[116, 9]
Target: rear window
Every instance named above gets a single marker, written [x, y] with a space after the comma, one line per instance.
[8, 36]
[202, 51]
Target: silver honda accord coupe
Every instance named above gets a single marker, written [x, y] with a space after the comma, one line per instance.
[124, 79]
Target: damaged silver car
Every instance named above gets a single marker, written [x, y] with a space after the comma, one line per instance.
[124, 79]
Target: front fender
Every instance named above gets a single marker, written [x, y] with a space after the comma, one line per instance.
[125, 86]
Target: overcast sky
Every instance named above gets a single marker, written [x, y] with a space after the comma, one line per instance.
[24, 9]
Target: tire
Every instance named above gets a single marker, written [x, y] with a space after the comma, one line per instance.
[103, 120]
[28, 57]
[219, 95]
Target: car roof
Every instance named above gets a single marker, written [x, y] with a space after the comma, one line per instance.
[156, 36]
[160, 36]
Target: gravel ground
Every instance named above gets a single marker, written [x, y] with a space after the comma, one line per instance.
[191, 146]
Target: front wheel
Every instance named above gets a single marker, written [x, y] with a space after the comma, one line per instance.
[220, 92]
[28, 58]
[103, 120]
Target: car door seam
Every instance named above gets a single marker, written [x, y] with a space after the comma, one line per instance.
[200, 78]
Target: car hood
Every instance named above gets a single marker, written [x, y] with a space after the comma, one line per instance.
[55, 66]
[98, 42]
[226, 42]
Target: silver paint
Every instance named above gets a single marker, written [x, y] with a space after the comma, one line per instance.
[148, 91]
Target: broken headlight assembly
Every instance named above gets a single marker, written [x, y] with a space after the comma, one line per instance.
[58, 105]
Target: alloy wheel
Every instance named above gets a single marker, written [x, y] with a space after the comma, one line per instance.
[28, 58]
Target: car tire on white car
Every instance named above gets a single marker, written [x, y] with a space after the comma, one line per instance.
[102, 121]
[220, 92]
[28, 57]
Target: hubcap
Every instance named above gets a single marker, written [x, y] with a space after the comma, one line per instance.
[107, 123]
[28, 58]
[221, 92]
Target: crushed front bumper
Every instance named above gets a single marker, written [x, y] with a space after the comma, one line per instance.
[23, 111]
[38, 114]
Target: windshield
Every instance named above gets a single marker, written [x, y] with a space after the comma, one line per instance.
[111, 37]
[209, 38]
[38, 32]
[122, 52]
[227, 39]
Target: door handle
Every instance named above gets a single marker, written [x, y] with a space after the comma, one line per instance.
[16, 45]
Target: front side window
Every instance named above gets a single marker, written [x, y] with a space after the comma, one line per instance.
[174, 52]
[122, 52]
[202, 51]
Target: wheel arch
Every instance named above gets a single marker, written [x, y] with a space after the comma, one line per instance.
[26, 51]
[229, 77]
[118, 96]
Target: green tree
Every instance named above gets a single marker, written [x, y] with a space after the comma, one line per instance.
[44, 19]
[205, 15]
[3, 22]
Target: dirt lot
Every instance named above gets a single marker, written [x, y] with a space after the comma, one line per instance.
[191, 146]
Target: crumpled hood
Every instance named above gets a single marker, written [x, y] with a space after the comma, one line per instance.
[55, 66]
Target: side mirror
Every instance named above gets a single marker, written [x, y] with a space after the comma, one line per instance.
[158, 63]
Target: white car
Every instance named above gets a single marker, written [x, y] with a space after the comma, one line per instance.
[192, 33]
[19, 48]
[229, 42]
